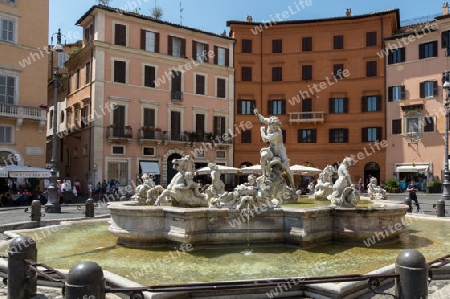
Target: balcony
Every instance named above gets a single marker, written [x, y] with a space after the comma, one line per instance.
[118, 134]
[177, 96]
[147, 134]
[21, 113]
[306, 117]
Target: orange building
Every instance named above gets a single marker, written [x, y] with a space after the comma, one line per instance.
[325, 82]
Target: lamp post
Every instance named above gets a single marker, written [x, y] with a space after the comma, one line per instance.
[52, 205]
[446, 183]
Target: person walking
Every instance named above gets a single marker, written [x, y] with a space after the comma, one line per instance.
[412, 189]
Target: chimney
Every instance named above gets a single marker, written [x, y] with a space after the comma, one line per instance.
[348, 12]
[445, 9]
[249, 19]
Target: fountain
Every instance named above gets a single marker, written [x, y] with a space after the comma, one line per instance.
[181, 214]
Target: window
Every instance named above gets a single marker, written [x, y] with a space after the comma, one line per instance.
[396, 126]
[307, 136]
[371, 134]
[306, 72]
[120, 70]
[120, 35]
[200, 51]
[428, 89]
[149, 76]
[246, 73]
[149, 117]
[221, 56]
[277, 73]
[307, 107]
[7, 89]
[148, 151]
[199, 84]
[221, 88]
[118, 150]
[338, 105]
[428, 124]
[396, 93]
[84, 116]
[412, 125]
[87, 73]
[176, 46]
[118, 121]
[245, 106]
[220, 154]
[7, 30]
[5, 134]
[200, 123]
[396, 56]
[277, 107]
[338, 68]
[427, 50]
[307, 44]
[371, 103]
[277, 46]
[371, 69]
[176, 85]
[89, 33]
[445, 41]
[78, 79]
[246, 46]
[338, 42]
[219, 125]
[118, 171]
[338, 135]
[371, 39]
[175, 125]
[150, 41]
[246, 136]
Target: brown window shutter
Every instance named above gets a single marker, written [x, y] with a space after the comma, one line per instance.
[215, 55]
[143, 39]
[169, 45]
[363, 104]
[227, 57]
[183, 48]
[194, 50]
[156, 42]
[206, 52]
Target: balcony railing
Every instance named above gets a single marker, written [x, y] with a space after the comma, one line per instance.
[177, 96]
[306, 117]
[114, 132]
[21, 113]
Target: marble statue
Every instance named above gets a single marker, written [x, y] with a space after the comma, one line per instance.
[147, 192]
[182, 190]
[344, 192]
[375, 192]
[324, 185]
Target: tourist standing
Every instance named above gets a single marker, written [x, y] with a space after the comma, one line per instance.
[413, 193]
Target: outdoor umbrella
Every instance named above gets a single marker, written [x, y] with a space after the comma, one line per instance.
[222, 169]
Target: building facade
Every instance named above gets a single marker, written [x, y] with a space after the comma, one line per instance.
[143, 92]
[23, 84]
[324, 80]
[418, 55]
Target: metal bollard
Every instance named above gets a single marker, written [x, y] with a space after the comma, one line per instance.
[408, 203]
[440, 208]
[85, 280]
[89, 208]
[22, 282]
[413, 271]
[36, 210]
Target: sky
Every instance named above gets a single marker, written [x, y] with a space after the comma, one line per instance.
[212, 15]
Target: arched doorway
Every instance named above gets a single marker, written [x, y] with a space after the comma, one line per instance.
[371, 169]
[170, 171]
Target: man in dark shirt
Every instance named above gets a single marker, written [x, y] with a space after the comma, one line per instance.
[412, 193]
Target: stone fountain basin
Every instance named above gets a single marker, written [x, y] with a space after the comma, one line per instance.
[145, 226]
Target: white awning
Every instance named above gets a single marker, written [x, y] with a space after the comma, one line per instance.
[149, 167]
[411, 168]
[14, 171]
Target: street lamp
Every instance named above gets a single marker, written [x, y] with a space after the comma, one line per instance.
[52, 205]
[446, 183]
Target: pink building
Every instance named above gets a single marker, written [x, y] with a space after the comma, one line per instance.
[143, 92]
[418, 55]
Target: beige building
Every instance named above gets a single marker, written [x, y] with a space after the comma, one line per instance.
[23, 82]
[415, 115]
[141, 93]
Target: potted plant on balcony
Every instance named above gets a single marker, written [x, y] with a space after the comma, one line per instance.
[193, 136]
[209, 136]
